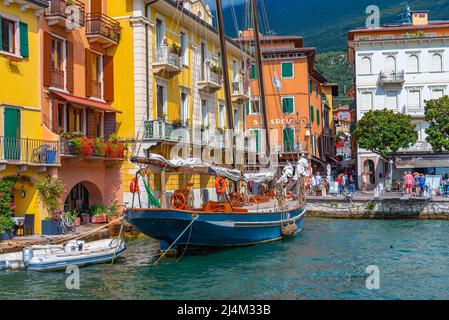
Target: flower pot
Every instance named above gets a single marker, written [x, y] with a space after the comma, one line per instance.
[7, 235]
[85, 218]
[99, 218]
[77, 221]
[51, 227]
[113, 218]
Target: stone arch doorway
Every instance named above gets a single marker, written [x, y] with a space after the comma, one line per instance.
[82, 196]
[370, 170]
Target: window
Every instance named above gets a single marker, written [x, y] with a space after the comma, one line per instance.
[367, 100]
[184, 108]
[184, 41]
[254, 140]
[414, 98]
[221, 113]
[61, 119]
[437, 62]
[160, 33]
[288, 105]
[391, 65]
[312, 119]
[365, 65]
[236, 119]
[421, 129]
[253, 72]
[364, 38]
[316, 90]
[413, 64]
[97, 75]
[205, 112]
[288, 135]
[8, 35]
[287, 69]
[391, 100]
[58, 63]
[235, 70]
[254, 107]
[318, 120]
[437, 93]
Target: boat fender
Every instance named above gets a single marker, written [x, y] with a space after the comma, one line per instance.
[27, 255]
[220, 185]
[289, 230]
[134, 186]
[74, 246]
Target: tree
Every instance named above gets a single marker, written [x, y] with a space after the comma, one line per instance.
[437, 115]
[385, 132]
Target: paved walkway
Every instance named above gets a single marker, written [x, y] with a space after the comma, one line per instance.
[369, 195]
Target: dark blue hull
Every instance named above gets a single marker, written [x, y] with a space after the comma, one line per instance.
[213, 229]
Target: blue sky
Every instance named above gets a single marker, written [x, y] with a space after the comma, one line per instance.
[225, 2]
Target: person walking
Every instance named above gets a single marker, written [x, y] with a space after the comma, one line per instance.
[352, 185]
[340, 184]
[409, 180]
[364, 182]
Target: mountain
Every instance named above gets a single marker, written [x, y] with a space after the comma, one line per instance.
[325, 23]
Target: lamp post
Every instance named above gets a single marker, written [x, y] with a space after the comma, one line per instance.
[305, 121]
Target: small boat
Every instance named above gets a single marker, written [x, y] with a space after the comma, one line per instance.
[58, 257]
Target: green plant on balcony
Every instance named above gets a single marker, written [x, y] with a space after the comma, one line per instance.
[49, 191]
[176, 49]
[177, 123]
[216, 69]
[100, 147]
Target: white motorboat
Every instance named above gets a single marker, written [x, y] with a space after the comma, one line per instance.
[59, 257]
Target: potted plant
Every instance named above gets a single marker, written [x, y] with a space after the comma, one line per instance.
[98, 213]
[72, 216]
[6, 227]
[49, 191]
[112, 212]
[177, 123]
[176, 49]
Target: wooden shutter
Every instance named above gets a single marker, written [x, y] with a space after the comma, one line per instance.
[24, 51]
[69, 67]
[91, 123]
[88, 65]
[47, 59]
[108, 72]
[54, 112]
[109, 124]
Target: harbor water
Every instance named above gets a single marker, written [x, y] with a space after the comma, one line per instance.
[328, 260]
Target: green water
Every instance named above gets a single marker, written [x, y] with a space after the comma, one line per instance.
[327, 261]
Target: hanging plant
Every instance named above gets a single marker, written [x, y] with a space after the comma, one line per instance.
[50, 190]
[176, 49]
[6, 191]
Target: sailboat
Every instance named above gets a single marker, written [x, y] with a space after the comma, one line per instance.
[232, 220]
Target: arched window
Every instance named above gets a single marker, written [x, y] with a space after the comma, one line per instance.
[391, 65]
[413, 63]
[366, 65]
[437, 62]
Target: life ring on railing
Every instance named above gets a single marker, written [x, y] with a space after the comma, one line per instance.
[220, 185]
[134, 186]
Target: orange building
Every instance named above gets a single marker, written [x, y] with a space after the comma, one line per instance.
[298, 111]
[78, 42]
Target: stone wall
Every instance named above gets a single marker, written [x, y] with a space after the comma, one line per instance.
[378, 209]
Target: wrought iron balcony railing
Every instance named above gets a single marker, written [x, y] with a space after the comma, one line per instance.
[66, 13]
[103, 29]
[391, 77]
[167, 61]
[29, 151]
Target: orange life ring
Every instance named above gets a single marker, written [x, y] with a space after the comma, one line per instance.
[220, 185]
[134, 186]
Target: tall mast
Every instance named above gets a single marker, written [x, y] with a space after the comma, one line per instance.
[260, 71]
[224, 59]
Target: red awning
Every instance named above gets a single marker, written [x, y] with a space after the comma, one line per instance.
[83, 102]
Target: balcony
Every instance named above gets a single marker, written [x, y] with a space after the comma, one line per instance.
[57, 79]
[102, 29]
[32, 152]
[97, 91]
[67, 14]
[414, 111]
[391, 78]
[93, 148]
[239, 91]
[211, 81]
[167, 62]
[162, 130]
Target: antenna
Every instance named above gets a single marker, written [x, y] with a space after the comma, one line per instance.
[406, 17]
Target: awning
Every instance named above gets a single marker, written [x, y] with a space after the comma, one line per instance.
[415, 162]
[320, 162]
[83, 102]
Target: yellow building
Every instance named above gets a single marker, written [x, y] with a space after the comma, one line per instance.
[23, 152]
[169, 85]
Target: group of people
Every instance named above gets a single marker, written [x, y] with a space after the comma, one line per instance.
[413, 184]
[346, 183]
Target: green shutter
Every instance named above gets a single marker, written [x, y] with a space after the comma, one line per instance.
[24, 50]
[287, 70]
[253, 72]
[318, 117]
[310, 86]
[247, 106]
[287, 105]
[311, 114]
[12, 133]
[288, 139]
[257, 141]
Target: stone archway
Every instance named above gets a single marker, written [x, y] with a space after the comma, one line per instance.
[369, 167]
[82, 195]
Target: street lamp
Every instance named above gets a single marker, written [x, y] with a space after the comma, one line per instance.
[303, 120]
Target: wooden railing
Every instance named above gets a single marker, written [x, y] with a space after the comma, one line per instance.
[102, 25]
[29, 151]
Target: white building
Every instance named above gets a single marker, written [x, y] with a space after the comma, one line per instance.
[399, 68]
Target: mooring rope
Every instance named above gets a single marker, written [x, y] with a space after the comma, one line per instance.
[177, 239]
[119, 241]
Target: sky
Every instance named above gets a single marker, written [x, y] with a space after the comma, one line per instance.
[226, 3]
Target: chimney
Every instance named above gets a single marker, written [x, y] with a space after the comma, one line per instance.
[420, 18]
